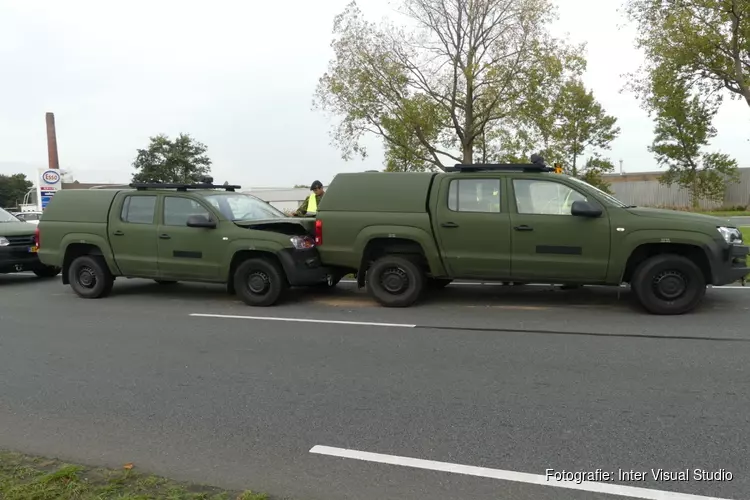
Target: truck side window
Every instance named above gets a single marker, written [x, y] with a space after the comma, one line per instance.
[542, 197]
[138, 209]
[177, 210]
[474, 195]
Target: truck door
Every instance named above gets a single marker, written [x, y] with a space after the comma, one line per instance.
[473, 227]
[187, 252]
[132, 235]
[548, 242]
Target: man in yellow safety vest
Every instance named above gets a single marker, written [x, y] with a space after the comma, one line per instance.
[309, 207]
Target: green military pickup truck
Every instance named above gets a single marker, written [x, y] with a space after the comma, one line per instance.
[403, 232]
[18, 248]
[176, 232]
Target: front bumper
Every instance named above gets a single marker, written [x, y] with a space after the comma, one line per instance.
[15, 259]
[303, 267]
[733, 265]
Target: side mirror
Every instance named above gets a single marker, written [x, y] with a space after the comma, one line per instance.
[585, 209]
[200, 221]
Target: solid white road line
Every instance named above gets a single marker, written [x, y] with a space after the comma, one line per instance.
[304, 320]
[506, 475]
[463, 283]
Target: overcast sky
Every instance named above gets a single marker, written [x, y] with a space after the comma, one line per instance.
[238, 76]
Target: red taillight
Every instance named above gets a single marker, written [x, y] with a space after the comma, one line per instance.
[318, 232]
[37, 238]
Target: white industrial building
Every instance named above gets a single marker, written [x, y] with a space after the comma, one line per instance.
[288, 199]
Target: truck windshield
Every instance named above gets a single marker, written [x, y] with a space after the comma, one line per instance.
[238, 206]
[611, 199]
[6, 217]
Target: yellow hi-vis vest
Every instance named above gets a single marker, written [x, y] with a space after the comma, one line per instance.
[312, 204]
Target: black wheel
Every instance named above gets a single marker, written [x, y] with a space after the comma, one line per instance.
[438, 283]
[90, 278]
[260, 282]
[668, 284]
[395, 281]
[47, 271]
[166, 282]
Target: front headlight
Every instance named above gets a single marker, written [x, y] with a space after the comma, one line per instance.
[731, 235]
[4, 241]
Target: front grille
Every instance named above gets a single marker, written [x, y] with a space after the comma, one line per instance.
[21, 241]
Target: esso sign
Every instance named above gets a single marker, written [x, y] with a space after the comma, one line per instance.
[51, 177]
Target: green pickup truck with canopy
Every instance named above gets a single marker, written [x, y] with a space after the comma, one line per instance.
[401, 233]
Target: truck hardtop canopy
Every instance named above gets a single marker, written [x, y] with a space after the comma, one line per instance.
[405, 192]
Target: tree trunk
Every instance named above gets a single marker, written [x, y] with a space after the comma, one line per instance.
[694, 198]
[468, 142]
[484, 147]
[746, 94]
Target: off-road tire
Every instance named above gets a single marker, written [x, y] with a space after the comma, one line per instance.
[268, 286]
[438, 283]
[165, 282]
[657, 282]
[89, 277]
[46, 271]
[397, 268]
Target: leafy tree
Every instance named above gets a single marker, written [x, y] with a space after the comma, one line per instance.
[13, 189]
[593, 172]
[705, 44]
[418, 125]
[434, 94]
[182, 160]
[567, 121]
[683, 130]
[582, 125]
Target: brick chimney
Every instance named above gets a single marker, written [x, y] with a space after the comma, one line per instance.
[54, 161]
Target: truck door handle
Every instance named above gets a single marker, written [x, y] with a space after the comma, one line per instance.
[449, 224]
[118, 233]
[164, 236]
[523, 228]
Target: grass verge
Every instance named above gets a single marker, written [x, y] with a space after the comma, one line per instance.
[746, 240]
[24, 477]
[728, 213]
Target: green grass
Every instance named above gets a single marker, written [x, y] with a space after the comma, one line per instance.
[746, 240]
[728, 213]
[24, 477]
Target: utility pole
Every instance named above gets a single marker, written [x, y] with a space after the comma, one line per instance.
[620, 167]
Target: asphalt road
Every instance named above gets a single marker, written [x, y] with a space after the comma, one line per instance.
[740, 221]
[515, 379]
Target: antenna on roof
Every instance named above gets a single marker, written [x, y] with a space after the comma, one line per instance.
[537, 159]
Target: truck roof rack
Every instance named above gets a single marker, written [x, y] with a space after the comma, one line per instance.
[537, 165]
[206, 183]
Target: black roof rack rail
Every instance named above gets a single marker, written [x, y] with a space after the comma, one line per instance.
[537, 165]
[489, 167]
[207, 183]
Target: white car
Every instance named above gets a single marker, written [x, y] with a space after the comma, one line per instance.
[30, 217]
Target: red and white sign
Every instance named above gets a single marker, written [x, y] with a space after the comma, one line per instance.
[48, 183]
